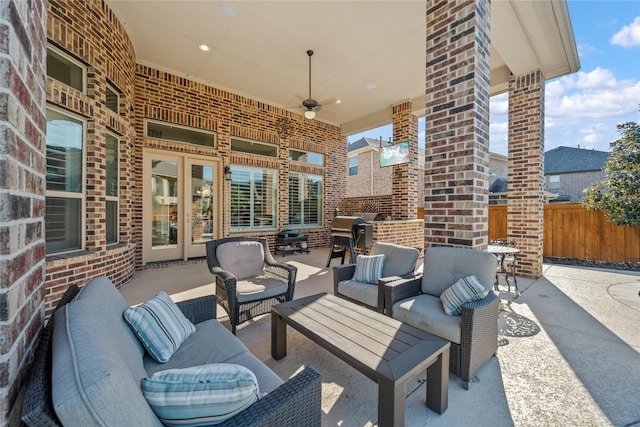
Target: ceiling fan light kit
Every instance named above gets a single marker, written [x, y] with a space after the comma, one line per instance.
[310, 104]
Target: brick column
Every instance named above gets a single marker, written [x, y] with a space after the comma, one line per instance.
[404, 177]
[525, 193]
[22, 191]
[457, 123]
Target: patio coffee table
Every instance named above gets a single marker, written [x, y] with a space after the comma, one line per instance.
[384, 349]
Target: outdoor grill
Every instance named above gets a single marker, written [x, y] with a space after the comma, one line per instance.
[349, 232]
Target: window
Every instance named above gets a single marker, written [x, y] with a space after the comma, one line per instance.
[112, 185]
[305, 199]
[178, 133]
[554, 181]
[306, 157]
[353, 165]
[63, 68]
[112, 100]
[254, 147]
[65, 189]
[254, 198]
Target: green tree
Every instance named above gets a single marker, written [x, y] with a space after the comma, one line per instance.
[618, 194]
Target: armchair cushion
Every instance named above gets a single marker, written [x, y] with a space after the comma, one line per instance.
[363, 292]
[200, 395]
[369, 268]
[160, 326]
[464, 290]
[259, 287]
[425, 312]
[399, 261]
[244, 259]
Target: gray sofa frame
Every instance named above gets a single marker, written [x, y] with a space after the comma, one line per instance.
[297, 402]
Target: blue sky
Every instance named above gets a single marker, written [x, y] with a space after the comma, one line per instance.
[583, 108]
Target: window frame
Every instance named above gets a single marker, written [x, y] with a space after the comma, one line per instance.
[304, 177]
[253, 142]
[353, 169]
[112, 88]
[188, 128]
[68, 57]
[82, 195]
[111, 198]
[554, 182]
[306, 152]
[252, 215]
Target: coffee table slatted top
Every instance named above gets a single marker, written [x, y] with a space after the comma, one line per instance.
[376, 345]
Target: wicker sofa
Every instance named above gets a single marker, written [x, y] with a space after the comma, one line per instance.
[96, 365]
[474, 333]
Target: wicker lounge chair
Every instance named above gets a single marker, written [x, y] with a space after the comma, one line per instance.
[473, 334]
[248, 279]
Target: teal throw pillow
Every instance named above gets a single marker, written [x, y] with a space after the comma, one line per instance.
[464, 290]
[369, 268]
[160, 326]
[200, 395]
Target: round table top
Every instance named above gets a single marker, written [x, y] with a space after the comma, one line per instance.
[496, 249]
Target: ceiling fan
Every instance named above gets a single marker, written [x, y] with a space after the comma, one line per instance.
[310, 104]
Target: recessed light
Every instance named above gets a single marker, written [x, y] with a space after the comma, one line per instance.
[338, 101]
[204, 48]
[228, 10]
[371, 85]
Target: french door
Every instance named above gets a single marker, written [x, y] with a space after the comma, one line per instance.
[182, 201]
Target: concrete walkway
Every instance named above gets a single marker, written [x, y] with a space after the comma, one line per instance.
[569, 351]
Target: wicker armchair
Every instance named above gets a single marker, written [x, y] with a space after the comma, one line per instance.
[400, 262]
[473, 334]
[248, 279]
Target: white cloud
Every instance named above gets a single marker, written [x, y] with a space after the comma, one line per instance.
[628, 36]
[585, 50]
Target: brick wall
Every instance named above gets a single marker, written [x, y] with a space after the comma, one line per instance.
[91, 33]
[173, 99]
[405, 177]
[457, 117]
[383, 205]
[22, 172]
[574, 184]
[525, 197]
[407, 233]
[371, 180]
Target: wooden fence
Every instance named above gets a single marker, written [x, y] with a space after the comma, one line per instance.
[571, 231]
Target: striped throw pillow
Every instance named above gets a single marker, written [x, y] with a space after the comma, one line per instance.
[160, 326]
[200, 395]
[369, 268]
[464, 290]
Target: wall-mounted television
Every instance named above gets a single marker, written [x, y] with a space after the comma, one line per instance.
[396, 154]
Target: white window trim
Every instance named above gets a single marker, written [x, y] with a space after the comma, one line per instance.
[320, 219]
[72, 195]
[74, 61]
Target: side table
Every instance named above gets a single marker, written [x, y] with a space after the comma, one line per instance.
[291, 244]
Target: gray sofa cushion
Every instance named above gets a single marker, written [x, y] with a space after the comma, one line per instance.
[97, 362]
[259, 287]
[221, 347]
[363, 292]
[425, 312]
[443, 266]
[399, 260]
[243, 259]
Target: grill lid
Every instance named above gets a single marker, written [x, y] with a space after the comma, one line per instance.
[345, 223]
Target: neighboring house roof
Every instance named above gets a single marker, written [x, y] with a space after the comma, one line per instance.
[367, 142]
[498, 186]
[569, 159]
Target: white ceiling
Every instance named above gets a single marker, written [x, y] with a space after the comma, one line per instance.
[261, 51]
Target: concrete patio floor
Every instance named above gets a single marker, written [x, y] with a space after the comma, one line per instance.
[569, 350]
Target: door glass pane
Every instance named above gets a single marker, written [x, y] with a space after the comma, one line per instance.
[201, 204]
[164, 200]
